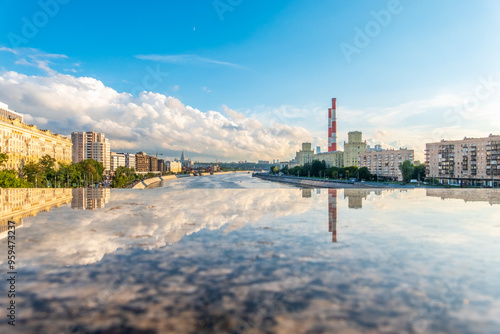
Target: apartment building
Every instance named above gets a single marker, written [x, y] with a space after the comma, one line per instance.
[117, 160]
[471, 161]
[385, 163]
[25, 143]
[91, 145]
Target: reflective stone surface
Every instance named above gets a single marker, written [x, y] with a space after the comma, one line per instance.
[234, 254]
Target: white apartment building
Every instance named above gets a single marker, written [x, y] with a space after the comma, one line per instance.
[91, 145]
[117, 160]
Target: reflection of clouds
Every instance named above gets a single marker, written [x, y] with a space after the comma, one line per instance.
[282, 274]
[150, 219]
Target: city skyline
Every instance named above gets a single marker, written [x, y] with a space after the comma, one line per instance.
[213, 80]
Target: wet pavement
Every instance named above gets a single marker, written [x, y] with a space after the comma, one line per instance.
[235, 254]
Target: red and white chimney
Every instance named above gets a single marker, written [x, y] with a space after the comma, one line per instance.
[332, 126]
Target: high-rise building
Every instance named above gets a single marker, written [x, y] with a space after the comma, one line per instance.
[332, 126]
[385, 163]
[353, 148]
[25, 143]
[161, 165]
[91, 145]
[471, 161]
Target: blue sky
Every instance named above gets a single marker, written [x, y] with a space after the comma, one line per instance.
[268, 61]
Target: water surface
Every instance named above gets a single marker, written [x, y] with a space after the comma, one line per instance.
[236, 254]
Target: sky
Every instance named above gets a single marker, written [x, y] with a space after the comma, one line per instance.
[251, 80]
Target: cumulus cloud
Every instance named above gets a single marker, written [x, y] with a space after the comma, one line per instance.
[150, 121]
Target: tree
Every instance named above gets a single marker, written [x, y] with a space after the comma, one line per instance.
[3, 158]
[9, 179]
[418, 171]
[364, 174]
[285, 170]
[317, 167]
[406, 169]
[274, 169]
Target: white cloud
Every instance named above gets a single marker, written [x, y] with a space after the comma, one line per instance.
[35, 58]
[150, 121]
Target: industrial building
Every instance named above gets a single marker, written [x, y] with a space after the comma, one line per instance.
[468, 162]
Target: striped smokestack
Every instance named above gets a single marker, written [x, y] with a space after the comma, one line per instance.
[332, 126]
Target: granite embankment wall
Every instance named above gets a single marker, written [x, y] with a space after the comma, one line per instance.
[312, 183]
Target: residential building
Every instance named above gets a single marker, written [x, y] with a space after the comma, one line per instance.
[161, 165]
[332, 159]
[25, 143]
[471, 161]
[5, 112]
[305, 155]
[385, 163]
[130, 160]
[91, 145]
[153, 164]
[117, 160]
[353, 148]
[142, 162]
[173, 166]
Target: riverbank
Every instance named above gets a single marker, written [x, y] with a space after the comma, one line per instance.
[323, 183]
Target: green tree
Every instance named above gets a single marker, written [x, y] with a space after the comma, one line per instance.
[10, 179]
[418, 171]
[123, 177]
[274, 170]
[318, 167]
[34, 173]
[3, 158]
[364, 174]
[406, 169]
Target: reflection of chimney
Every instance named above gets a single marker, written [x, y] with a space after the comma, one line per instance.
[332, 213]
[332, 126]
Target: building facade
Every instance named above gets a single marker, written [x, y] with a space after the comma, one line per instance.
[91, 145]
[385, 163]
[353, 148]
[130, 160]
[142, 162]
[173, 166]
[332, 159]
[306, 155]
[25, 143]
[471, 161]
[117, 160]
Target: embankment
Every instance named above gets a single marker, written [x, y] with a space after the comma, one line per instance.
[313, 183]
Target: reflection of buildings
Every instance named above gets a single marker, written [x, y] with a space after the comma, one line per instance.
[306, 192]
[491, 196]
[355, 197]
[15, 204]
[90, 198]
[332, 213]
